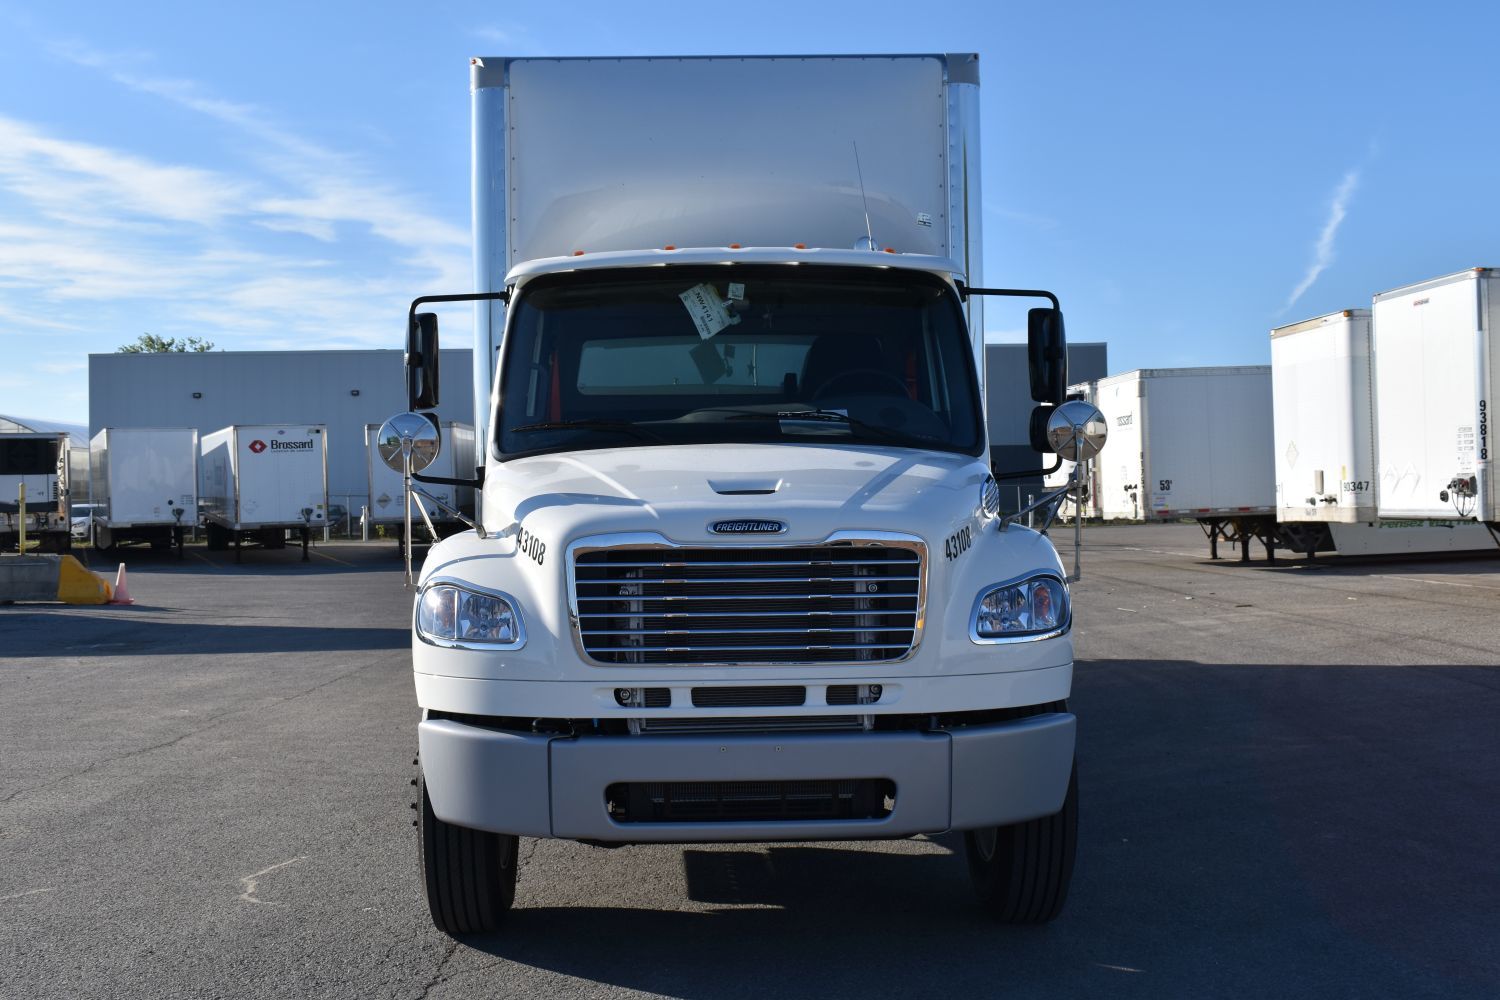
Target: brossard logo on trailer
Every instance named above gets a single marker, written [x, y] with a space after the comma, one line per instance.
[259, 446]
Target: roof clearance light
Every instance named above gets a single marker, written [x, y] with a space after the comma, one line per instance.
[890, 249]
[734, 246]
[669, 246]
[577, 253]
[799, 246]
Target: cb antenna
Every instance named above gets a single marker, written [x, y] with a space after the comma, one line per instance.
[862, 199]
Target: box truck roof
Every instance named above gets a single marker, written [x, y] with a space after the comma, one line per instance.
[732, 255]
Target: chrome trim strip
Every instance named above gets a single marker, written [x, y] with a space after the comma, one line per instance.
[471, 644]
[654, 541]
[1005, 640]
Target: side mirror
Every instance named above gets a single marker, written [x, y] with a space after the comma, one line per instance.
[422, 362]
[1047, 355]
[1077, 430]
[408, 434]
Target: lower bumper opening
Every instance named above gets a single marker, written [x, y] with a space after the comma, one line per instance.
[749, 801]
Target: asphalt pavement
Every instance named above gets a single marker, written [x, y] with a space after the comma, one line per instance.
[1289, 787]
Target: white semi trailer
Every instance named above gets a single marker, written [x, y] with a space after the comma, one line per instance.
[34, 490]
[739, 572]
[1437, 348]
[260, 481]
[387, 494]
[1326, 486]
[144, 485]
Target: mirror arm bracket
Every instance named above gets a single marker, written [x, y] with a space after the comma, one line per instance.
[1025, 473]
[965, 291]
[476, 482]
[411, 314]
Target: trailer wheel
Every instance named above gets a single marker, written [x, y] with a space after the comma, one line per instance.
[1021, 872]
[469, 875]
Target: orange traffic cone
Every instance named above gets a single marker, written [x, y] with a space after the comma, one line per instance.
[122, 595]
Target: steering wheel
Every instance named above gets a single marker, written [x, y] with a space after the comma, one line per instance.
[869, 374]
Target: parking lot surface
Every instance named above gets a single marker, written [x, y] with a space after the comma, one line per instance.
[1289, 787]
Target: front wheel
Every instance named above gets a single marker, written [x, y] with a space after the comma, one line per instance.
[470, 875]
[1021, 872]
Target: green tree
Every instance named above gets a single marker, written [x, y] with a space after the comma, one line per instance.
[150, 343]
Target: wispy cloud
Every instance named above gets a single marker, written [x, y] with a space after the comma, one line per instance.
[1323, 248]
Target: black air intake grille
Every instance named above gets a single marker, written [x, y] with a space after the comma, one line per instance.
[749, 801]
[806, 604]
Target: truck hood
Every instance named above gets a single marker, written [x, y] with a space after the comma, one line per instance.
[678, 491]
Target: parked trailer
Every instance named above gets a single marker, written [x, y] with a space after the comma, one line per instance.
[39, 461]
[259, 481]
[145, 484]
[1325, 447]
[1435, 348]
[1191, 443]
[387, 493]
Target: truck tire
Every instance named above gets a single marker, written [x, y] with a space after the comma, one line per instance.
[469, 875]
[1021, 872]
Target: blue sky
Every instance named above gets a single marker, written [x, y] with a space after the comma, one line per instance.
[291, 175]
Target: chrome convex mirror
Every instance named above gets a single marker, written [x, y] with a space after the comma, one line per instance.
[408, 442]
[408, 433]
[1076, 430]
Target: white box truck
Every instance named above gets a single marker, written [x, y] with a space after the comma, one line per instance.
[36, 463]
[1436, 348]
[739, 572]
[144, 484]
[1191, 443]
[1325, 447]
[259, 481]
[387, 493]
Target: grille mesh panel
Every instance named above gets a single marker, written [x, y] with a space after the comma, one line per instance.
[747, 801]
[808, 604]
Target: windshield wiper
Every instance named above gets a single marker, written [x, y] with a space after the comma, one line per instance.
[624, 426]
[824, 416]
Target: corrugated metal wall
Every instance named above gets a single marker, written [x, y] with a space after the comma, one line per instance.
[251, 387]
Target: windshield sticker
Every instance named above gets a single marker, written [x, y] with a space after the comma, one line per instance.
[736, 291]
[708, 311]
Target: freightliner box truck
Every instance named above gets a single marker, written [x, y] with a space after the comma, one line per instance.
[260, 481]
[144, 485]
[739, 572]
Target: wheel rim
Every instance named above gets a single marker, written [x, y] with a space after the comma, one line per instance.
[985, 841]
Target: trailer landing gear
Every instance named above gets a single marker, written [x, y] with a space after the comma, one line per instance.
[1241, 531]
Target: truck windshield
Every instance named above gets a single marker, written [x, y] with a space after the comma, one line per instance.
[737, 354]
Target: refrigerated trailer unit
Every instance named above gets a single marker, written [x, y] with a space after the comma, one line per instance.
[144, 481]
[1435, 350]
[1191, 443]
[387, 492]
[1321, 379]
[39, 462]
[259, 481]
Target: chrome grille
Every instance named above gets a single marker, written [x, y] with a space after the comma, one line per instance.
[855, 603]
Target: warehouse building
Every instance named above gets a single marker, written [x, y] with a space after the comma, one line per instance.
[344, 390]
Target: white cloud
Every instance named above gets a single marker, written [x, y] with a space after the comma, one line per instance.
[1323, 248]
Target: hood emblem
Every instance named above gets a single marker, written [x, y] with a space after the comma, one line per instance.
[749, 526]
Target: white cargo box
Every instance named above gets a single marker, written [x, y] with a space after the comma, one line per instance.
[1187, 442]
[265, 475]
[1324, 420]
[1435, 350]
[39, 460]
[453, 462]
[144, 476]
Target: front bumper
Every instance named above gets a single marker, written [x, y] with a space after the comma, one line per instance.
[549, 786]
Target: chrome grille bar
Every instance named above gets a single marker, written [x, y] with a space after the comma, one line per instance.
[858, 601]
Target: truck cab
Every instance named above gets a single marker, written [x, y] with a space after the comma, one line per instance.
[739, 573]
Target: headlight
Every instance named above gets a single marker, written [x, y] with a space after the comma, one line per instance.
[1016, 610]
[448, 614]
